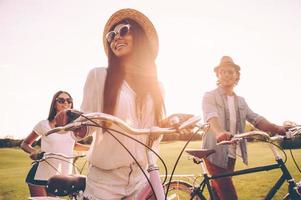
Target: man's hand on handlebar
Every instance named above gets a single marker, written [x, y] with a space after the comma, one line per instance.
[172, 121]
[283, 129]
[225, 136]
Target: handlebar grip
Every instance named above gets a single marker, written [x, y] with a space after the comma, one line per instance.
[291, 143]
[40, 155]
[73, 115]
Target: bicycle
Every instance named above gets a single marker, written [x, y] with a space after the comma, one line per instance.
[75, 183]
[184, 190]
[155, 189]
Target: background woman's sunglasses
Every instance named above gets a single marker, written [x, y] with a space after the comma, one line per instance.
[122, 31]
[63, 100]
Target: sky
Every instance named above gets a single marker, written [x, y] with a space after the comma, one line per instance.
[50, 45]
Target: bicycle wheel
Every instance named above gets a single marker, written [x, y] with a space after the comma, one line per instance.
[182, 190]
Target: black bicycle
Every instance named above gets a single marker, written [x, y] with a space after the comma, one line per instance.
[184, 190]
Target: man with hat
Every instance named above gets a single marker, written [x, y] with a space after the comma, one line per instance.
[227, 114]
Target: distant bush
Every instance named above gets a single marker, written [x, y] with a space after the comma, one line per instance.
[7, 142]
[87, 140]
[181, 137]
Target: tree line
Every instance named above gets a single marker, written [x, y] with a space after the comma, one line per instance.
[10, 142]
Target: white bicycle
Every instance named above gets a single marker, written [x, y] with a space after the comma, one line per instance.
[74, 186]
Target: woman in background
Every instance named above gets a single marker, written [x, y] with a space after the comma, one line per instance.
[56, 143]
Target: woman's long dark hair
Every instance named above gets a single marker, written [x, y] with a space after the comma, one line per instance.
[149, 82]
[53, 111]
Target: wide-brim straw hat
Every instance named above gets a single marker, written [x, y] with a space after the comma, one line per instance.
[227, 61]
[138, 17]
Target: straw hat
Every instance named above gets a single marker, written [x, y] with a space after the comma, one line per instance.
[227, 61]
[138, 17]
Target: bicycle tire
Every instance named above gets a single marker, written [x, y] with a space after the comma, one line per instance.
[181, 190]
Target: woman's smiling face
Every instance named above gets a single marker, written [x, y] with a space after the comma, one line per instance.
[122, 41]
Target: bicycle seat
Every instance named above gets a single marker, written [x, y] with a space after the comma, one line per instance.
[200, 153]
[63, 185]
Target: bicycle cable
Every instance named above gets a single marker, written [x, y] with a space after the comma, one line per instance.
[178, 159]
[262, 140]
[116, 131]
[291, 153]
[136, 161]
[82, 168]
[133, 157]
[294, 160]
[158, 156]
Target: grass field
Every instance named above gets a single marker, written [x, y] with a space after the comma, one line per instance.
[14, 165]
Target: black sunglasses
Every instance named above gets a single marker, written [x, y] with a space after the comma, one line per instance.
[122, 31]
[61, 100]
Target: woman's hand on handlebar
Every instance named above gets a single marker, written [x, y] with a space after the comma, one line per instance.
[66, 116]
[175, 120]
[61, 118]
[36, 155]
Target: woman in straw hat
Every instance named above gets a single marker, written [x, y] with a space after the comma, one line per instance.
[128, 88]
[227, 114]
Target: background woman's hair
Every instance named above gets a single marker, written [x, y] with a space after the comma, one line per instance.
[143, 59]
[53, 111]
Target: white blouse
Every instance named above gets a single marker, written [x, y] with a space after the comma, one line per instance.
[105, 152]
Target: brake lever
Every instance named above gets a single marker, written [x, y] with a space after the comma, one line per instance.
[73, 115]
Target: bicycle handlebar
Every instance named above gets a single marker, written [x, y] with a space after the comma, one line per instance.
[46, 155]
[292, 132]
[86, 120]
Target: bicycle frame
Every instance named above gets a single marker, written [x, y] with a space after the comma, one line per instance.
[155, 180]
[286, 176]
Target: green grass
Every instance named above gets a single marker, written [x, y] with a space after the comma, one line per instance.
[14, 165]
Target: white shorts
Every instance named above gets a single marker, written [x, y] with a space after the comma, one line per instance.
[114, 184]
